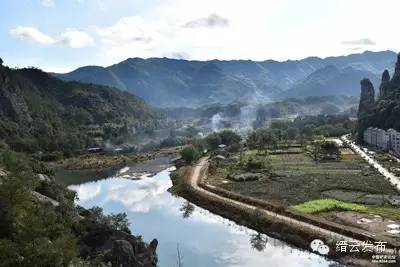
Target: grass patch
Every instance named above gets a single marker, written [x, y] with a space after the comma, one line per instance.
[325, 205]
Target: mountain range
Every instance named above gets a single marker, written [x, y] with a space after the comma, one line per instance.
[165, 82]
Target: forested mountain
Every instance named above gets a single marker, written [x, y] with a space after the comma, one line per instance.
[382, 111]
[331, 80]
[39, 112]
[167, 82]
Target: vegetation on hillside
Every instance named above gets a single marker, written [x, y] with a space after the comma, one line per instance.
[50, 117]
[40, 225]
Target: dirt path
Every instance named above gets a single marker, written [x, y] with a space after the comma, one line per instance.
[196, 176]
[393, 179]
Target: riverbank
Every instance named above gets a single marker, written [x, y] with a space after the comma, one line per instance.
[104, 161]
[295, 232]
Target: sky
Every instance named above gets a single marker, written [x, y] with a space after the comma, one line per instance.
[61, 35]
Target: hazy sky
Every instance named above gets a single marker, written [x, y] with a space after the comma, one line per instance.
[60, 35]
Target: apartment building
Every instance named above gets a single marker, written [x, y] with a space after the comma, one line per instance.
[386, 140]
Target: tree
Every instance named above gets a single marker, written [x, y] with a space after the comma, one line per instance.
[267, 138]
[1, 62]
[229, 138]
[292, 133]
[119, 221]
[191, 132]
[308, 131]
[213, 141]
[330, 150]
[262, 138]
[325, 150]
[316, 150]
[189, 154]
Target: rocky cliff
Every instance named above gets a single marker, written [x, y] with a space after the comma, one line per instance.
[367, 99]
[383, 112]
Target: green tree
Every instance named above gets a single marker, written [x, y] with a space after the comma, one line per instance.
[292, 133]
[316, 150]
[330, 150]
[308, 131]
[229, 138]
[213, 141]
[119, 221]
[189, 154]
[191, 132]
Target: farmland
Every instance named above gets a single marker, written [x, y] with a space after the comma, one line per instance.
[293, 178]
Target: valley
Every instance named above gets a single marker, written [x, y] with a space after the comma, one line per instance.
[272, 172]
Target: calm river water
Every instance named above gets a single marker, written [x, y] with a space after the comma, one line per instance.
[203, 238]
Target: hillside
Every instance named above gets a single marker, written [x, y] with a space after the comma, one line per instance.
[39, 112]
[382, 111]
[331, 80]
[167, 82]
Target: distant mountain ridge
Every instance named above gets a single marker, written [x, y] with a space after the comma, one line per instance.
[331, 79]
[167, 82]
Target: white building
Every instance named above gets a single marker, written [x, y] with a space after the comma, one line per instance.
[386, 140]
[368, 135]
[394, 140]
[382, 139]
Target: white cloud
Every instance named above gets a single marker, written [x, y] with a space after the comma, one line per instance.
[128, 29]
[32, 34]
[363, 41]
[47, 3]
[135, 34]
[76, 39]
[252, 29]
[71, 37]
[213, 20]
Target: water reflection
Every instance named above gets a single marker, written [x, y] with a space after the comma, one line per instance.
[258, 241]
[187, 209]
[204, 239]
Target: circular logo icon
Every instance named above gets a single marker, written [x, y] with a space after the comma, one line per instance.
[318, 245]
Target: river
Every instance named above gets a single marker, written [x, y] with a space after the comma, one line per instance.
[201, 237]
